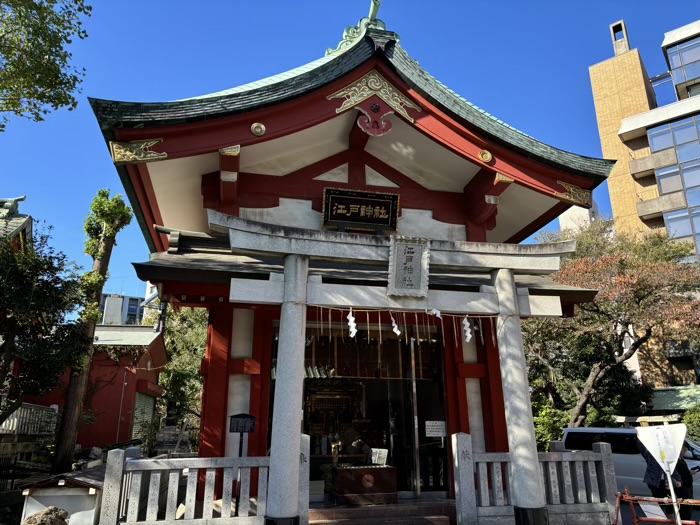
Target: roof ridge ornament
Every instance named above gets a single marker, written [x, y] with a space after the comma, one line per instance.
[354, 34]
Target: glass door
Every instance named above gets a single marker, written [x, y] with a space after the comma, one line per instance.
[430, 429]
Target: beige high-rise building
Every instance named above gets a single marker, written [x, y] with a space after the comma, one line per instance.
[656, 181]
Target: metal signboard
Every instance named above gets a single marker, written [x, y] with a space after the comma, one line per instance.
[435, 429]
[242, 423]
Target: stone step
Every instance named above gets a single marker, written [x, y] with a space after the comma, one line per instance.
[401, 513]
[412, 520]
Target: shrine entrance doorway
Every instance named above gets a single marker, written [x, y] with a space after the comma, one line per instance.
[375, 409]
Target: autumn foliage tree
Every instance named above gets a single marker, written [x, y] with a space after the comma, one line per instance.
[647, 291]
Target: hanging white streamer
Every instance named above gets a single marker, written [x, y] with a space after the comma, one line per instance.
[467, 330]
[352, 326]
[394, 326]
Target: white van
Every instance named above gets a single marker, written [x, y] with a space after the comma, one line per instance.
[629, 463]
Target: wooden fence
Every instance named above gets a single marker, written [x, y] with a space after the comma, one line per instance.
[31, 420]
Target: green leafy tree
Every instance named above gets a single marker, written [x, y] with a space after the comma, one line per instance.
[39, 287]
[107, 217]
[646, 291]
[692, 420]
[185, 343]
[36, 73]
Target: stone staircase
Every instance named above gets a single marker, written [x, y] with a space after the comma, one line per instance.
[438, 512]
[167, 440]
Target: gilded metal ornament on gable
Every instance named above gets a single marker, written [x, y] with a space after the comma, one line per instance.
[135, 152]
[575, 195]
[374, 84]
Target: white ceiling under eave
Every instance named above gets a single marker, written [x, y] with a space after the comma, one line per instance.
[518, 206]
[177, 182]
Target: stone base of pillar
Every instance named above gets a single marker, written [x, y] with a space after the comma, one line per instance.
[525, 516]
[282, 521]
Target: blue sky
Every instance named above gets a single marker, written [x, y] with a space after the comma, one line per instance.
[526, 62]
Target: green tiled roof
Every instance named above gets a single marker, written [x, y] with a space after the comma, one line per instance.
[11, 221]
[125, 335]
[297, 82]
[675, 398]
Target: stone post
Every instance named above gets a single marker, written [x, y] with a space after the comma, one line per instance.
[111, 492]
[465, 492]
[304, 467]
[528, 496]
[605, 472]
[283, 493]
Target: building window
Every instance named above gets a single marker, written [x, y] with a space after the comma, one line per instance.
[684, 131]
[669, 180]
[685, 61]
[678, 224]
[660, 138]
[689, 151]
[691, 174]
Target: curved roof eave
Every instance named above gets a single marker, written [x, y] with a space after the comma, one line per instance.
[279, 88]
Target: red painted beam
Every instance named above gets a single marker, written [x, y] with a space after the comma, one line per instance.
[262, 191]
[357, 139]
[244, 366]
[471, 370]
[141, 182]
[482, 194]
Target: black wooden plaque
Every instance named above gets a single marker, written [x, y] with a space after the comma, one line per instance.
[243, 423]
[360, 210]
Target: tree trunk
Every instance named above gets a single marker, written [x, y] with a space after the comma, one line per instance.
[75, 396]
[578, 414]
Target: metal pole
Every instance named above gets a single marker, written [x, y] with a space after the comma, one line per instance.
[415, 415]
[119, 419]
[676, 509]
[238, 474]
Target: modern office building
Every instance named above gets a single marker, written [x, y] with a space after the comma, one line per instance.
[656, 181]
[121, 309]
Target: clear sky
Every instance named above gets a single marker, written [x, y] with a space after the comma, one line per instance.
[524, 61]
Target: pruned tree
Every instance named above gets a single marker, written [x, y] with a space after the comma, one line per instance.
[36, 73]
[39, 287]
[647, 291]
[106, 219]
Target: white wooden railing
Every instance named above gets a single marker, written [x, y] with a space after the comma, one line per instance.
[140, 491]
[31, 420]
[574, 482]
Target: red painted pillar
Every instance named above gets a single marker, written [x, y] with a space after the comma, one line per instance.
[212, 441]
[492, 391]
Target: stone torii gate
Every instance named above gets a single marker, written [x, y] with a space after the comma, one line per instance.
[297, 287]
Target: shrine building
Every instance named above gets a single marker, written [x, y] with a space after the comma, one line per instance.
[352, 227]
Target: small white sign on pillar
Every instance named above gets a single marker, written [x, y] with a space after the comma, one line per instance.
[408, 266]
[435, 429]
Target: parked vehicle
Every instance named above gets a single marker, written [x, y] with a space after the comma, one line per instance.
[628, 461]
